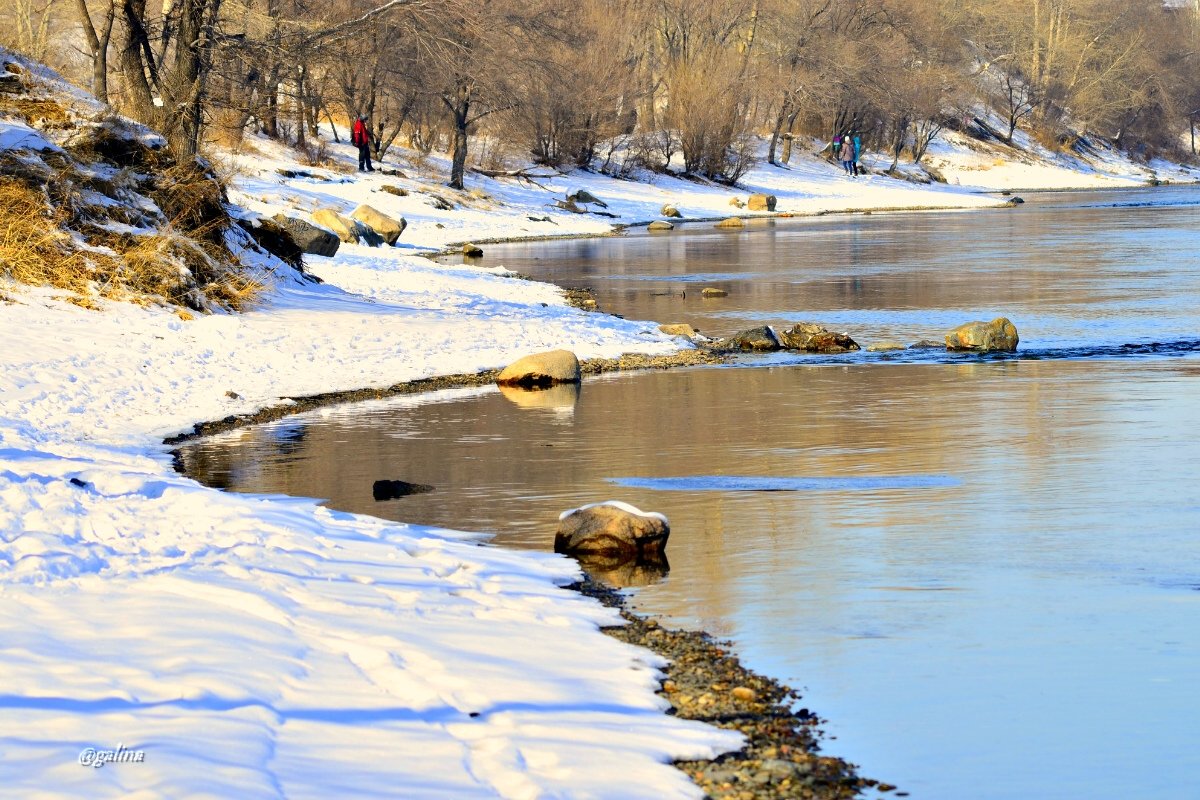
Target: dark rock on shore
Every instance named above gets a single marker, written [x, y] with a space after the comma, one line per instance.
[276, 240]
[310, 238]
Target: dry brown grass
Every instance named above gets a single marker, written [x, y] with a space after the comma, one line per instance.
[33, 248]
[185, 268]
[41, 112]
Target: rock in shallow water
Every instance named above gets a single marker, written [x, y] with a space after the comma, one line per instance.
[541, 370]
[812, 338]
[391, 490]
[758, 340]
[614, 530]
[999, 335]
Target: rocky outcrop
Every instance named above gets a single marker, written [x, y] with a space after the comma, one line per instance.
[927, 344]
[755, 340]
[541, 370]
[885, 346]
[671, 211]
[712, 291]
[999, 335]
[388, 228]
[311, 239]
[472, 250]
[812, 338]
[761, 202]
[736, 202]
[659, 225]
[613, 530]
[678, 329]
[350, 231]
[276, 240]
[732, 222]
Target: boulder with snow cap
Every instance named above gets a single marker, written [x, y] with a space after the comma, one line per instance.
[611, 529]
[541, 370]
[389, 228]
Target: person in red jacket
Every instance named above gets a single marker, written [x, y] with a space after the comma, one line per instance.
[360, 137]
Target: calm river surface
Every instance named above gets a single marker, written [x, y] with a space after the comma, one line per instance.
[984, 572]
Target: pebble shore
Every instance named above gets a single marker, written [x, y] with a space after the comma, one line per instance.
[705, 682]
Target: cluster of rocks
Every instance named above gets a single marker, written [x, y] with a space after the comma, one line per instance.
[999, 335]
[365, 225]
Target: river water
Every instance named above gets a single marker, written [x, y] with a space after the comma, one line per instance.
[983, 571]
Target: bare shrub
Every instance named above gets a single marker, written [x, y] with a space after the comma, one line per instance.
[708, 109]
[314, 152]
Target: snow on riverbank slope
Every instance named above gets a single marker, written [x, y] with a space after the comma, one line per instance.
[508, 208]
[264, 647]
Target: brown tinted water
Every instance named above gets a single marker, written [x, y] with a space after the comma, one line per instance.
[986, 572]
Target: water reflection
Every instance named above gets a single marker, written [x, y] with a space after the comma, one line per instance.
[948, 629]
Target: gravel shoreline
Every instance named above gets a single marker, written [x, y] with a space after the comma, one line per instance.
[299, 405]
[704, 682]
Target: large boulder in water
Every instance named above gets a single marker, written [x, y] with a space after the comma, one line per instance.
[984, 337]
[813, 338]
[759, 340]
[541, 370]
[387, 227]
[613, 529]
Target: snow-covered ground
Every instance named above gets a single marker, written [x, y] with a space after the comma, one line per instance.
[265, 646]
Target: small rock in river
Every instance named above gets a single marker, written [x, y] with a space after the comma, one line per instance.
[391, 490]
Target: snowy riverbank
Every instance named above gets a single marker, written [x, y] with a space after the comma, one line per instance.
[265, 646]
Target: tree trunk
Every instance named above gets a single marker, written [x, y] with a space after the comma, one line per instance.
[787, 137]
[139, 100]
[460, 109]
[183, 102]
[97, 41]
[776, 132]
